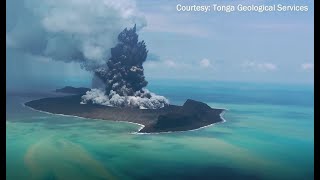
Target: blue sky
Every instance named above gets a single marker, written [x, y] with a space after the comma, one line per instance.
[272, 47]
[249, 47]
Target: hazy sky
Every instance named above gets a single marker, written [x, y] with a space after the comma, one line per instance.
[236, 46]
[251, 46]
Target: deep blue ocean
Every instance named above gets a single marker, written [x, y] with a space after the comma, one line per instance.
[268, 134]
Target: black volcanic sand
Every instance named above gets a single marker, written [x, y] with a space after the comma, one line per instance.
[192, 115]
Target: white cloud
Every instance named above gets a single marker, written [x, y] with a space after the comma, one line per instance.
[205, 63]
[259, 66]
[170, 63]
[307, 66]
[75, 30]
[268, 66]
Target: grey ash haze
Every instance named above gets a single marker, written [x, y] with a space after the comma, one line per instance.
[69, 31]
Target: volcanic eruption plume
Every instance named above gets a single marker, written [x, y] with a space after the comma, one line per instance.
[83, 31]
[124, 78]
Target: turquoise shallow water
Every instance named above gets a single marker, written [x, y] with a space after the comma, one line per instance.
[269, 134]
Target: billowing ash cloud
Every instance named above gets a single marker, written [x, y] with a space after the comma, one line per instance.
[72, 30]
[123, 72]
[123, 76]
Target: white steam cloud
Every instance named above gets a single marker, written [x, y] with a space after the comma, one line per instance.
[72, 30]
[146, 100]
[307, 66]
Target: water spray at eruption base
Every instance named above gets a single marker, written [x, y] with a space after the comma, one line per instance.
[123, 76]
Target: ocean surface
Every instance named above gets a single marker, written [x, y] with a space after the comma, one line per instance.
[268, 134]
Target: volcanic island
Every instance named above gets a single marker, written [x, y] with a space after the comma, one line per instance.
[122, 95]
